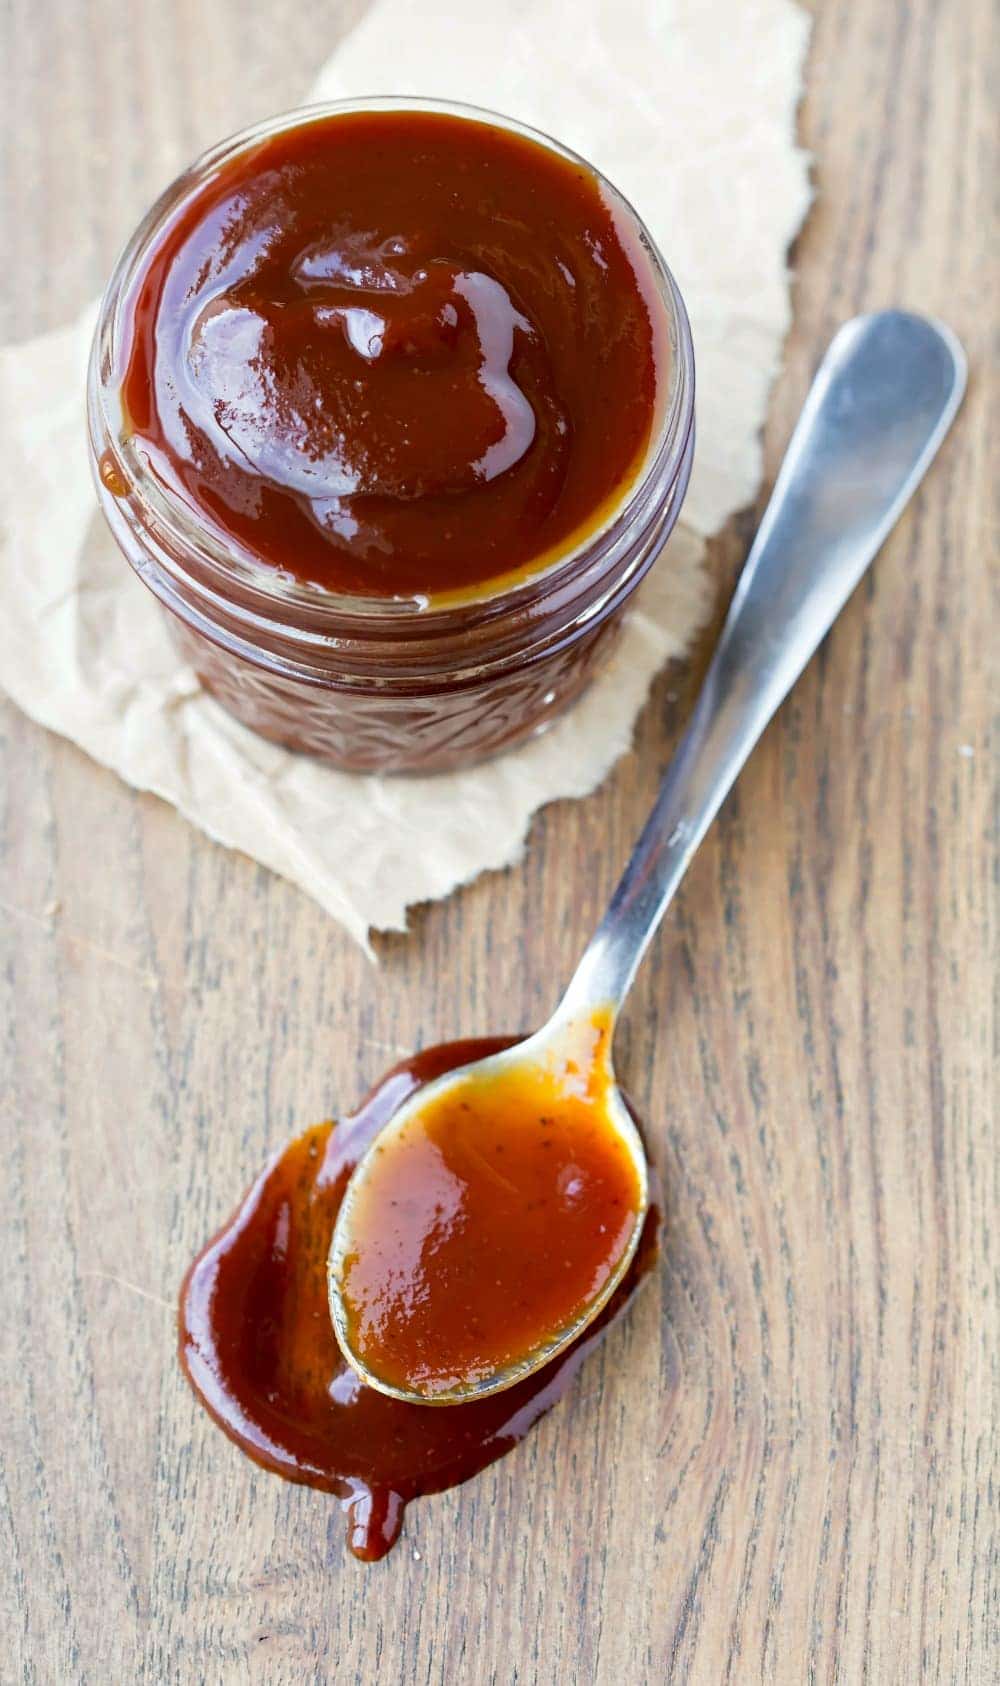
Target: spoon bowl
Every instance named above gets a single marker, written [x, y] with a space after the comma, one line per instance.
[557, 1145]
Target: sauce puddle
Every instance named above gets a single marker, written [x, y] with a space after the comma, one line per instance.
[258, 1347]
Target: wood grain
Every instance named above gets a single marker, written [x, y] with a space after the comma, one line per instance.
[785, 1466]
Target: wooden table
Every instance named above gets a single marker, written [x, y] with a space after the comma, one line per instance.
[784, 1466]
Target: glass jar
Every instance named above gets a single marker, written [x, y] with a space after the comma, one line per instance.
[372, 683]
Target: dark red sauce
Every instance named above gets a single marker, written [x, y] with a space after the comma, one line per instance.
[497, 1216]
[258, 1346]
[394, 353]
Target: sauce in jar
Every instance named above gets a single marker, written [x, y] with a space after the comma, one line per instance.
[391, 405]
[395, 353]
[257, 1343]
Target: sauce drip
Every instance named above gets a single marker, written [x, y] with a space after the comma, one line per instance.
[257, 1343]
[490, 1222]
[393, 353]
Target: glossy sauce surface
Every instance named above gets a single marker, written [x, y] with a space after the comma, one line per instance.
[489, 1222]
[394, 353]
[258, 1346]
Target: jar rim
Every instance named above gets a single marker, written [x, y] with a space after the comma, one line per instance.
[282, 601]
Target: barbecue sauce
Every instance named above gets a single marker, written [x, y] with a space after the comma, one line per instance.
[489, 1223]
[257, 1342]
[394, 353]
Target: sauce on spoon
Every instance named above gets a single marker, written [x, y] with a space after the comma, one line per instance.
[487, 1224]
[258, 1346]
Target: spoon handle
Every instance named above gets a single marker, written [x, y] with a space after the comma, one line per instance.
[880, 405]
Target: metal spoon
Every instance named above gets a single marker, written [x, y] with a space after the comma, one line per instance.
[879, 407]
